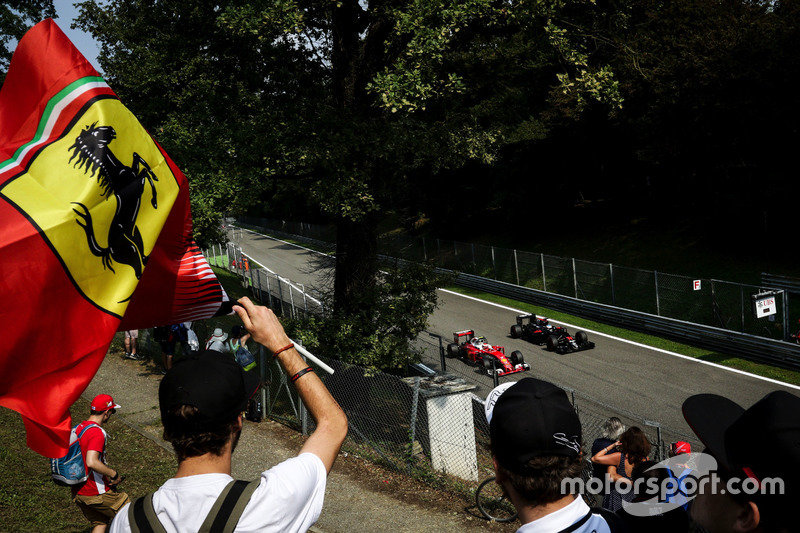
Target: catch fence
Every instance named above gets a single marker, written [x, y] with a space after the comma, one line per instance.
[705, 301]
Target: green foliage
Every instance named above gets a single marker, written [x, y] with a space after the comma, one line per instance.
[389, 317]
[17, 17]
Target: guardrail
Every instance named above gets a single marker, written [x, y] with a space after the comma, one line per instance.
[759, 349]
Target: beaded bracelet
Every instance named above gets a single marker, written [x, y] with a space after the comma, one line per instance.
[276, 352]
[302, 373]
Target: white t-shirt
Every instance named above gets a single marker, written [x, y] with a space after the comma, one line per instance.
[565, 518]
[289, 498]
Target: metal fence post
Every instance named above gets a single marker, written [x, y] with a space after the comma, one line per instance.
[785, 297]
[424, 250]
[516, 265]
[575, 278]
[613, 292]
[280, 292]
[658, 303]
[414, 404]
[262, 368]
[544, 279]
[494, 264]
[741, 302]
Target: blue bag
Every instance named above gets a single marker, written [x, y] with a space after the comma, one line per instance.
[245, 359]
[70, 469]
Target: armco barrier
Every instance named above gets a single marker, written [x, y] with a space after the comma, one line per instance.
[759, 349]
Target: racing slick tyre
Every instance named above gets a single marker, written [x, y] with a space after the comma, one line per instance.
[516, 331]
[552, 343]
[516, 357]
[489, 362]
[492, 504]
[452, 350]
[581, 338]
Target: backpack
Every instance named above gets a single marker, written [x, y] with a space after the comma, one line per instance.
[243, 356]
[222, 518]
[70, 469]
[178, 333]
[192, 340]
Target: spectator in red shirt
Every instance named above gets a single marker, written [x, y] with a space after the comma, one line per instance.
[97, 497]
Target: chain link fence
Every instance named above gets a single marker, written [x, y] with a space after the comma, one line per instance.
[709, 302]
[429, 423]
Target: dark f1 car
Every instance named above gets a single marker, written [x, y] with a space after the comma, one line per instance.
[539, 330]
[477, 351]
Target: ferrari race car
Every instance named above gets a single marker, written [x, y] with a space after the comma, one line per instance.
[539, 330]
[477, 350]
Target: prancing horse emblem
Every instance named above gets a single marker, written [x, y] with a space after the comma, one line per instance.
[126, 184]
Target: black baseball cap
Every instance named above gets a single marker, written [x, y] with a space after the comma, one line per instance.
[531, 418]
[215, 384]
[760, 442]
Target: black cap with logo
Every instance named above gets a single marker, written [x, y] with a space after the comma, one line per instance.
[215, 384]
[531, 418]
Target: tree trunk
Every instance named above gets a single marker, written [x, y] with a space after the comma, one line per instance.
[356, 264]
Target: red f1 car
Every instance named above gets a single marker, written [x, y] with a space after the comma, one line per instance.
[477, 351]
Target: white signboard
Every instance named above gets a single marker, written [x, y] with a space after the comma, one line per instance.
[765, 306]
[696, 284]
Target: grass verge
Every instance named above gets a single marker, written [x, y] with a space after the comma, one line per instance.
[31, 503]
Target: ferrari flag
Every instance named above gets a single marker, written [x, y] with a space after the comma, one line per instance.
[95, 233]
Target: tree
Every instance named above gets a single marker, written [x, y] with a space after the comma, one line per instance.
[17, 17]
[351, 106]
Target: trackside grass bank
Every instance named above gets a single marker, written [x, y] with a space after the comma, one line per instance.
[31, 503]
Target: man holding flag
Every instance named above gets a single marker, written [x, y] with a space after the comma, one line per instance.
[94, 216]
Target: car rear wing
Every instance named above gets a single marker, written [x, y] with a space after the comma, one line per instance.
[469, 333]
[521, 318]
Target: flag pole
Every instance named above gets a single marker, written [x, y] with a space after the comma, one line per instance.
[311, 356]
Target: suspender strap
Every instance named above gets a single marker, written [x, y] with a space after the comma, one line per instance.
[222, 518]
[577, 524]
[142, 516]
[228, 508]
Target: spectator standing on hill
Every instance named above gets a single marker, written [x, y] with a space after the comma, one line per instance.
[201, 400]
[757, 449]
[97, 497]
[610, 431]
[217, 341]
[619, 458]
[131, 342]
[238, 347]
[536, 448]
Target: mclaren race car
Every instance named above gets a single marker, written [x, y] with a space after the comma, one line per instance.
[539, 330]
